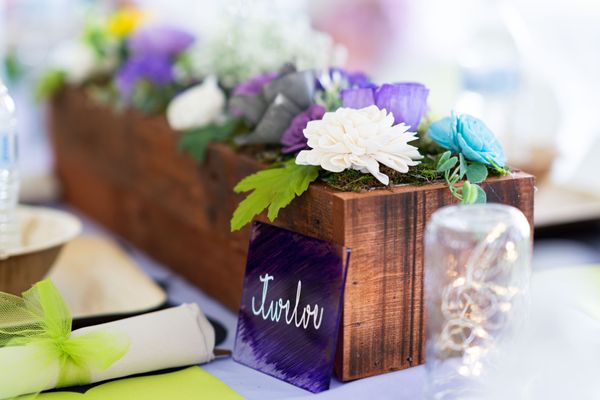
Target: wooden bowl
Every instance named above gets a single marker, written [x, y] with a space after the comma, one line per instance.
[44, 232]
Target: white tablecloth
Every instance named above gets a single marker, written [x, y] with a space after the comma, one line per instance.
[562, 348]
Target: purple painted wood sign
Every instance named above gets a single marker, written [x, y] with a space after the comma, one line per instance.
[291, 303]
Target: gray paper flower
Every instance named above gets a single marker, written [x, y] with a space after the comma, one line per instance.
[273, 108]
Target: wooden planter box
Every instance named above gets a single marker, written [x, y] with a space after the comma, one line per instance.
[125, 171]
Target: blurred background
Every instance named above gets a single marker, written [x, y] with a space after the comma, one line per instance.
[527, 67]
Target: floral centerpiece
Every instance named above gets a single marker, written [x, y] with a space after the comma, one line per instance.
[317, 123]
[287, 130]
[125, 60]
[337, 127]
[129, 59]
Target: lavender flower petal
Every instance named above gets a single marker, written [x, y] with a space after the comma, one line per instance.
[345, 79]
[156, 69]
[358, 98]
[159, 40]
[293, 139]
[358, 80]
[407, 101]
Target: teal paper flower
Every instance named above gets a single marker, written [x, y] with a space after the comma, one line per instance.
[470, 137]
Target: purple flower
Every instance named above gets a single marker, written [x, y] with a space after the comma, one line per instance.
[293, 138]
[155, 69]
[406, 101]
[253, 86]
[347, 79]
[159, 40]
[354, 79]
[358, 98]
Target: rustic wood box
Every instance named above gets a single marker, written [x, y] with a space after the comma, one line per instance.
[125, 171]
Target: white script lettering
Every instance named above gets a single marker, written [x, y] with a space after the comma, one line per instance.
[278, 307]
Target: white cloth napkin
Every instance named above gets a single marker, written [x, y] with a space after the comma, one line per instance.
[170, 338]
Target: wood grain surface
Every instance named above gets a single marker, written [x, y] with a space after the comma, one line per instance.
[125, 171]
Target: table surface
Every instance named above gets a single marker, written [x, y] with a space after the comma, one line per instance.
[563, 327]
[252, 384]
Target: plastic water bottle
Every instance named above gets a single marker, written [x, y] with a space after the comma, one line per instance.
[10, 235]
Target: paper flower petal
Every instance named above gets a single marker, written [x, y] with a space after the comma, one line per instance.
[160, 40]
[274, 122]
[358, 98]
[406, 101]
[443, 132]
[254, 86]
[359, 139]
[156, 69]
[470, 137]
[197, 106]
[293, 138]
[298, 87]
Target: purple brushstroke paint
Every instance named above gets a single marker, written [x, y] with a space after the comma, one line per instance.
[277, 260]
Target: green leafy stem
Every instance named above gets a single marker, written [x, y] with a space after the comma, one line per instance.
[272, 189]
[50, 83]
[455, 169]
[195, 141]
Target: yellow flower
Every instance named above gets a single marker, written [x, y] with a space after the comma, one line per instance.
[125, 21]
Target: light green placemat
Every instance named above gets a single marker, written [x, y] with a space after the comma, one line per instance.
[191, 383]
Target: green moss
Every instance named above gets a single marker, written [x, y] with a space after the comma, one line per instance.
[263, 153]
[356, 181]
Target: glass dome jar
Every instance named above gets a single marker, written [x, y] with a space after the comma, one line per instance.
[477, 271]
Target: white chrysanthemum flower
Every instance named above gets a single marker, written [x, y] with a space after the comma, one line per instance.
[198, 106]
[359, 139]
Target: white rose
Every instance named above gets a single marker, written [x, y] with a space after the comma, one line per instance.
[197, 106]
[79, 61]
[359, 139]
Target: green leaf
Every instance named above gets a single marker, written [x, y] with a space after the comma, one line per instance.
[463, 166]
[195, 141]
[51, 82]
[443, 158]
[448, 164]
[471, 193]
[481, 195]
[274, 189]
[466, 193]
[453, 180]
[97, 39]
[12, 67]
[151, 98]
[477, 173]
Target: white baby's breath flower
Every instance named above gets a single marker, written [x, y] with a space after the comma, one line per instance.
[359, 139]
[198, 106]
[262, 40]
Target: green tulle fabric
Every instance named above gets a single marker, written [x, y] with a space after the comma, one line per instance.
[35, 338]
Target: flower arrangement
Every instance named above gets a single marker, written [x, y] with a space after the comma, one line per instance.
[337, 127]
[129, 59]
[126, 60]
[307, 120]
